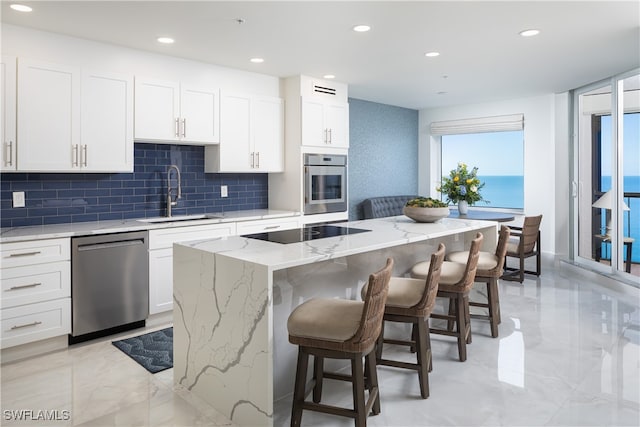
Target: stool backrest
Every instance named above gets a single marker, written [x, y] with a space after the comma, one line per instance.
[428, 300]
[469, 275]
[530, 229]
[501, 250]
[373, 311]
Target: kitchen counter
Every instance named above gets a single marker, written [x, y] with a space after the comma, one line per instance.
[16, 234]
[232, 297]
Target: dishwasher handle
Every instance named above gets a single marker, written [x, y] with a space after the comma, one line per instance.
[108, 245]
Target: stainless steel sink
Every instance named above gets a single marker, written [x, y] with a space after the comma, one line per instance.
[177, 218]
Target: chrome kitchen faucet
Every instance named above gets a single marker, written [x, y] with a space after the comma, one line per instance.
[170, 201]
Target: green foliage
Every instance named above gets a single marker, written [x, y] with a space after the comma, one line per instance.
[426, 202]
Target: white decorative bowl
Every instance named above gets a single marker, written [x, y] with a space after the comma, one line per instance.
[419, 214]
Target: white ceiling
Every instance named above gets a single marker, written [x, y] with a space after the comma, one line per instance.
[482, 56]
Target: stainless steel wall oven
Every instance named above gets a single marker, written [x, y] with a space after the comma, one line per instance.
[325, 183]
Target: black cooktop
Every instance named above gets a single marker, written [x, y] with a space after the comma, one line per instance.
[303, 234]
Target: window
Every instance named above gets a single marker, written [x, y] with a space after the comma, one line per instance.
[499, 157]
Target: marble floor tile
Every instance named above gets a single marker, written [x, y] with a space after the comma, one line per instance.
[568, 354]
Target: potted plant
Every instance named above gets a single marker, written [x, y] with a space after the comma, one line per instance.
[462, 187]
[425, 209]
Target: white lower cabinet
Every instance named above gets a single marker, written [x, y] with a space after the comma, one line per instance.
[36, 291]
[161, 258]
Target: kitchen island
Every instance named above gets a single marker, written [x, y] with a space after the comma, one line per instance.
[232, 297]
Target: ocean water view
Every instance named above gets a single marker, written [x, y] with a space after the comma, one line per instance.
[502, 191]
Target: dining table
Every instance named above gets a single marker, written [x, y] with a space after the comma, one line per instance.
[482, 215]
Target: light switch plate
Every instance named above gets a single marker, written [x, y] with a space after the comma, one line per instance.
[223, 191]
[18, 199]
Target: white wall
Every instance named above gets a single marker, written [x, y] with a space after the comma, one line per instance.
[545, 179]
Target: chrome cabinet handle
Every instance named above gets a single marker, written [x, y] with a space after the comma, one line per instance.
[257, 159]
[24, 254]
[272, 227]
[84, 151]
[32, 285]
[184, 128]
[325, 136]
[177, 128]
[36, 323]
[253, 159]
[8, 161]
[330, 136]
[74, 154]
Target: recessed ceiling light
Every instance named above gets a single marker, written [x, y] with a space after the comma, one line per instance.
[361, 28]
[20, 8]
[432, 54]
[441, 93]
[257, 60]
[329, 76]
[529, 33]
[165, 40]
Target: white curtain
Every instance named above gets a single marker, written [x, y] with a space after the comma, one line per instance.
[481, 124]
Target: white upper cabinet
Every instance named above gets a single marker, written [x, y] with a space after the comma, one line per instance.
[48, 116]
[251, 135]
[73, 120]
[325, 123]
[167, 111]
[8, 113]
[107, 123]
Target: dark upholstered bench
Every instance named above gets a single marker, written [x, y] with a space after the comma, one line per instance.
[380, 207]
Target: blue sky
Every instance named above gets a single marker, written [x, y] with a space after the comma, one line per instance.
[486, 151]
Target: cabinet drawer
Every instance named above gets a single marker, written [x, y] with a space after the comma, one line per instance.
[35, 252]
[36, 283]
[34, 322]
[165, 238]
[266, 225]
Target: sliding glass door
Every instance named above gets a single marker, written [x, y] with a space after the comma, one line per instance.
[607, 175]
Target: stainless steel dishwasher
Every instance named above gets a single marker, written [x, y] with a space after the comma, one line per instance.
[109, 284]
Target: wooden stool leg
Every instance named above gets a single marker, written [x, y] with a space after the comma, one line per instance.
[460, 328]
[298, 392]
[357, 374]
[372, 381]
[467, 318]
[423, 357]
[492, 295]
[428, 343]
[452, 309]
[414, 333]
[380, 342]
[318, 374]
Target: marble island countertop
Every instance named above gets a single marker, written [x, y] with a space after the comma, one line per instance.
[384, 233]
[16, 234]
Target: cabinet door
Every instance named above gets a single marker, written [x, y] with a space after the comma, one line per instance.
[8, 113]
[337, 123]
[235, 142]
[48, 116]
[314, 132]
[160, 280]
[107, 123]
[157, 110]
[199, 114]
[267, 134]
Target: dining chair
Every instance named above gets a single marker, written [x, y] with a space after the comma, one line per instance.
[524, 243]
